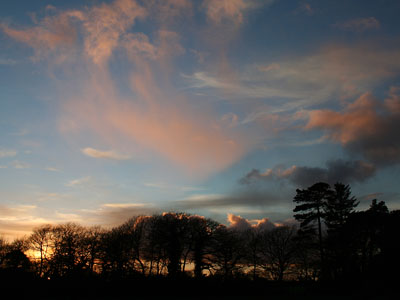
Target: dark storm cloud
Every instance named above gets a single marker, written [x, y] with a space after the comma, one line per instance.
[368, 127]
[335, 171]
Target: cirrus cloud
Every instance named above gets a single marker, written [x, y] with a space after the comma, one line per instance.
[153, 116]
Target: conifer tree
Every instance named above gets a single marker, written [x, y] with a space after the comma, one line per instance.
[340, 204]
[310, 209]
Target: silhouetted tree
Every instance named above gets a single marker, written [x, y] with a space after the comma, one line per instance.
[339, 206]
[364, 235]
[278, 250]
[156, 245]
[127, 243]
[254, 244]
[228, 250]
[174, 229]
[310, 207]
[167, 242]
[361, 245]
[306, 256]
[91, 244]
[201, 232]
[16, 261]
[117, 253]
[14, 264]
[40, 243]
[390, 246]
[4, 247]
[67, 249]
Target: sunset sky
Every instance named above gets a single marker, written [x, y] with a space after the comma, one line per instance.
[110, 109]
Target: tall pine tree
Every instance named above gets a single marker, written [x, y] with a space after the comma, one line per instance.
[310, 209]
[340, 204]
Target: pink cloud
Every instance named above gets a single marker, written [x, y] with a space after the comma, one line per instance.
[306, 7]
[105, 24]
[51, 34]
[169, 10]
[239, 223]
[344, 127]
[104, 154]
[153, 121]
[367, 126]
[220, 10]
[154, 118]
[393, 101]
[103, 27]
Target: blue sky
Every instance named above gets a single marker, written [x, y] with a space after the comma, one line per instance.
[116, 108]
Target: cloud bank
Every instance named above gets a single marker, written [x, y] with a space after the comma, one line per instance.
[303, 176]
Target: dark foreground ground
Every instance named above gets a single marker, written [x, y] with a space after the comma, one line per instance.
[163, 288]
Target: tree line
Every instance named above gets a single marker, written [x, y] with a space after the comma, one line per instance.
[332, 241]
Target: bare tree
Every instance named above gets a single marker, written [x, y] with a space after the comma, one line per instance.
[201, 233]
[227, 251]
[91, 245]
[67, 249]
[278, 250]
[253, 240]
[40, 243]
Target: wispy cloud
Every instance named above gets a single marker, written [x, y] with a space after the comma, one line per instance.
[64, 217]
[167, 186]
[7, 62]
[222, 10]
[124, 205]
[240, 198]
[20, 164]
[79, 181]
[104, 154]
[44, 197]
[52, 169]
[102, 37]
[334, 71]
[230, 11]
[7, 153]
[18, 220]
[53, 33]
[111, 214]
[305, 8]
[359, 24]
[21, 132]
[156, 117]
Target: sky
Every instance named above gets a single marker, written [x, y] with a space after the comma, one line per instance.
[222, 108]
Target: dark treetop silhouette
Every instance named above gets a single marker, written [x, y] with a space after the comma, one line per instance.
[332, 243]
